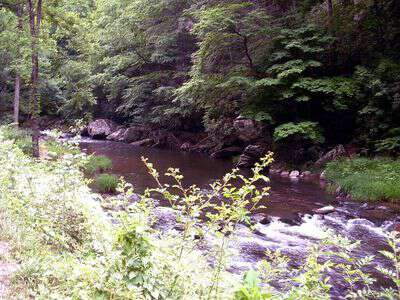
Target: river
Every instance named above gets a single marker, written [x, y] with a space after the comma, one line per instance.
[288, 223]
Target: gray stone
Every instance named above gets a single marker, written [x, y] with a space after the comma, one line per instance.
[251, 155]
[248, 130]
[117, 135]
[259, 218]
[285, 173]
[135, 133]
[338, 191]
[186, 146]
[101, 128]
[294, 174]
[165, 218]
[325, 210]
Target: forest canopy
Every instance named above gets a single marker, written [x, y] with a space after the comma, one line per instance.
[319, 72]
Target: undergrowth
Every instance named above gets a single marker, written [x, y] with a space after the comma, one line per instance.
[107, 183]
[98, 163]
[367, 179]
[67, 247]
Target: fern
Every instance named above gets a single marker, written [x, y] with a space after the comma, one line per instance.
[304, 130]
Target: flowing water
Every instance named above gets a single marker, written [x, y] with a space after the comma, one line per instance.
[289, 223]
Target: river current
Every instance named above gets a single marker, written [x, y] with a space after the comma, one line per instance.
[289, 223]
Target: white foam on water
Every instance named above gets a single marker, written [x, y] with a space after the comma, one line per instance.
[367, 225]
[312, 227]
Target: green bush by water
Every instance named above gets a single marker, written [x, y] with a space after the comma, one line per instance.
[107, 183]
[367, 179]
[98, 163]
[57, 149]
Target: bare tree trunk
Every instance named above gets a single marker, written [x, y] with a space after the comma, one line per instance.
[35, 19]
[17, 89]
[17, 84]
[330, 11]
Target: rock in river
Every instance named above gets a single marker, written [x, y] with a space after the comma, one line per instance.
[325, 210]
[101, 128]
[118, 135]
[251, 155]
[135, 133]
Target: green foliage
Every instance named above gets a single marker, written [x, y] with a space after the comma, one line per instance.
[143, 55]
[303, 130]
[67, 247]
[56, 150]
[21, 138]
[251, 289]
[107, 183]
[367, 179]
[233, 37]
[97, 163]
[389, 146]
[294, 78]
[378, 112]
[197, 65]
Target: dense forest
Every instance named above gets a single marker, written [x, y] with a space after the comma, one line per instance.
[200, 149]
[308, 73]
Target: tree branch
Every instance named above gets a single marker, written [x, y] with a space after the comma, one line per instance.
[246, 47]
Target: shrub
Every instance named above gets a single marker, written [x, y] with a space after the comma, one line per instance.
[97, 163]
[293, 142]
[303, 130]
[367, 179]
[21, 137]
[68, 248]
[57, 149]
[107, 183]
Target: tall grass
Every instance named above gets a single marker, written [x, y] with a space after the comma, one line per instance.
[107, 183]
[97, 163]
[367, 179]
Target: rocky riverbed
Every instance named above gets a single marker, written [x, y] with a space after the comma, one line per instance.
[298, 212]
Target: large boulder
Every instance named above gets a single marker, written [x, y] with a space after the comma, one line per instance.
[101, 128]
[337, 152]
[248, 130]
[117, 135]
[251, 155]
[135, 133]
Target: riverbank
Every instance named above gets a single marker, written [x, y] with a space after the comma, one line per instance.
[348, 175]
[365, 179]
[67, 246]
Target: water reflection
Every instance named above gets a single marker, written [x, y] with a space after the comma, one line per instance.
[288, 199]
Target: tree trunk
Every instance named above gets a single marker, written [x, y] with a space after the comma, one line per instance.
[17, 84]
[35, 19]
[17, 89]
[330, 12]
